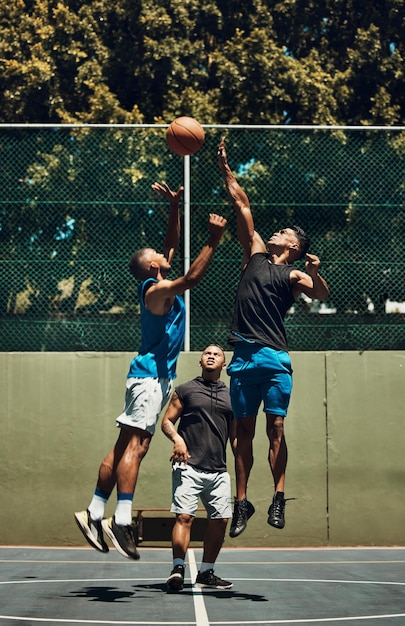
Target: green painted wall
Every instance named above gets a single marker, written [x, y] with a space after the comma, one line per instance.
[345, 436]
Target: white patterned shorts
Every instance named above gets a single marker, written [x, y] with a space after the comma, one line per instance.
[190, 483]
[144, 401]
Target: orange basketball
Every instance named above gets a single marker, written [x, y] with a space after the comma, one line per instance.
[185, 135]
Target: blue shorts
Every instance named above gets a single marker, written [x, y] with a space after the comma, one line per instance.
[259, 374]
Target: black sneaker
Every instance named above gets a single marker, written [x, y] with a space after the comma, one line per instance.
[208, 579]
[242, 512]
[276, 511]
[91, 530]
[250, 509]
[123, 537]
[176, 579]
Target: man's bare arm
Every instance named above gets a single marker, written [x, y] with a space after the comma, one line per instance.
[172, 414]
[158, 294]
[172, 238]
[239, 199]
[310, 282]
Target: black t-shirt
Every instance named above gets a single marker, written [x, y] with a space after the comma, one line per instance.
[205, 422]
[263, 298]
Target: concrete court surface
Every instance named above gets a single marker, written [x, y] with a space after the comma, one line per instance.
[364, 586]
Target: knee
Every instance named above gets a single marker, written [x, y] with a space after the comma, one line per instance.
[219, 525]
[245, 430]
[184, 519]
[138, 444]
[275, 428]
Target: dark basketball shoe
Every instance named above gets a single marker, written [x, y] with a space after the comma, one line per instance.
[276, 511]
[242, 512]
[208, 579]
[123, 538]
[176, 579]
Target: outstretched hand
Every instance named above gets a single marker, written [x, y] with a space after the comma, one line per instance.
[222, 158]
[168, 194]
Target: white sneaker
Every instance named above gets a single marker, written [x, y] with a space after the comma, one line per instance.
[92, 530]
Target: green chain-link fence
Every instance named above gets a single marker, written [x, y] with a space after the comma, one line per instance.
[75, 203]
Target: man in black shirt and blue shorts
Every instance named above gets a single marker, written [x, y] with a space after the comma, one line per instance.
[199, 465]
[260, 368]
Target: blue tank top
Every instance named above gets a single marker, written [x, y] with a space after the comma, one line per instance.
[162, 339]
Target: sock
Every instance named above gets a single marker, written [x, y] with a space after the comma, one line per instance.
[123, 512]
[280, 494]
[206, 566]
[97, 505]
[178, 562]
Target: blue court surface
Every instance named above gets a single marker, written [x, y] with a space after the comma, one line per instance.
[270, 586]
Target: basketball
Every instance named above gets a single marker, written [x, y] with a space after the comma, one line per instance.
[185, 136]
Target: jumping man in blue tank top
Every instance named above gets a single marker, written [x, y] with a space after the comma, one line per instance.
[150, 377]
[260, 368]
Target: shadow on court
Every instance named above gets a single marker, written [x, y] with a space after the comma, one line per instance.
[270, 586]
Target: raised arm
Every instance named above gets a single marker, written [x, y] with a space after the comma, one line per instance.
[173, 227]
[250, 241]
[159, 295]
[310, 282]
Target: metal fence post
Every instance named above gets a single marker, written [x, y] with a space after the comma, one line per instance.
[187, 246]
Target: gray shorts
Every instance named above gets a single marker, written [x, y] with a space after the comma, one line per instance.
[189, 484]
[144, 401]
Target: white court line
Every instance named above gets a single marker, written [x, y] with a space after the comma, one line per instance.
[198, 599]
[199, 606]
[53, 620]
[77, 580]
[321, 620]
[193, 574]
[322, 580]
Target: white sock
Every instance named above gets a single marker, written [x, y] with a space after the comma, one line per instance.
[178, 562]
[123, 512]
[97, 507]
[206, 566]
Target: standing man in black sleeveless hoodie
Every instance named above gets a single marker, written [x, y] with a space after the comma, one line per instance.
[203, 407]
[260, 369]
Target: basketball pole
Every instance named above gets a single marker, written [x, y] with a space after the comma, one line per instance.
[187, 232]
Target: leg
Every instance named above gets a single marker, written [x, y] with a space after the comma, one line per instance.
[121, 467]
[277, 450]
[186, 489]
[213, 540]
[180, 542]
[131, 447]
[278, 464]
[124, 461]
[242, 447]
[245, 432]
[181, 535]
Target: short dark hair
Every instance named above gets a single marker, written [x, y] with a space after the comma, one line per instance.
[214, 343]
[137, 264]
[303, 240]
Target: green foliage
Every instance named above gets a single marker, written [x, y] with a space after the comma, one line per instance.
[251, 61]
[76, 202]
